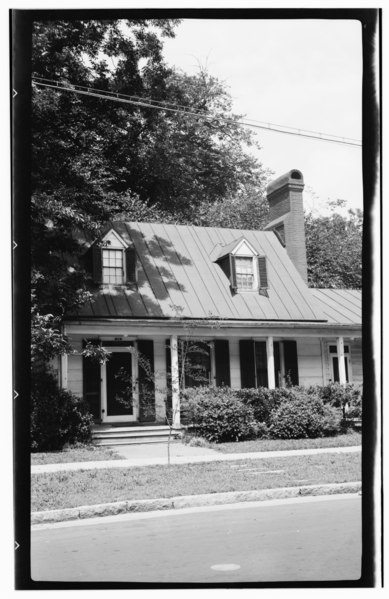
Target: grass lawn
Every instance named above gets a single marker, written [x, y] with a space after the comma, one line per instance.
[81, 453]
[348, 440]
[72, 489]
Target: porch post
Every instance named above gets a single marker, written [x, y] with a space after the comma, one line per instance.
[323, 364]
[212, 377]
[271, 381]
[342, 369]
[64, 371]
[175, 382]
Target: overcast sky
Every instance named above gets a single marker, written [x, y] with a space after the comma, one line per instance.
[305, 74]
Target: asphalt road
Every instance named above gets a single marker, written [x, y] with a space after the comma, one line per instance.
[310, 539]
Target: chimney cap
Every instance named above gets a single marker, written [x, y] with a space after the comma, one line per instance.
[293, 178]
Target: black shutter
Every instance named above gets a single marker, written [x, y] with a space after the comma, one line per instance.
[97, 264]
[247, 363]
[222, 362]
[91, 386]
[130, 265]
[261, 364]
[262, 273]
[146, 380]
[291, 362]
[233, 272]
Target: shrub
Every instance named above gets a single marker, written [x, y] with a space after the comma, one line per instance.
[348, 397]
[217, 414]
[260, 400]
[303, 415]
[58, 417]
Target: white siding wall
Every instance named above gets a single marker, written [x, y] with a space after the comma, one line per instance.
[309, 361]
[160, 378]
[234, 363]
[356, 360]
[75, 374]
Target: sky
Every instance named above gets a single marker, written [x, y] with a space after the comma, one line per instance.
[305, 74]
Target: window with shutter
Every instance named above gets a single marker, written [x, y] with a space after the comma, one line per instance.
[114, 263]
[245, 269]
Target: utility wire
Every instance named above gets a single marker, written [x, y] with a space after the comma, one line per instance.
[177, 108]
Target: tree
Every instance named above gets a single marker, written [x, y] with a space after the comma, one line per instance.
[334, 249]
[94, 160]
[245, 209]
[77, 153]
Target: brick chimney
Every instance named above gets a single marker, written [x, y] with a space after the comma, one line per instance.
[286, 216]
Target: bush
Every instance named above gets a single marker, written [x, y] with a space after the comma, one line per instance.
[262, 401]
[58, 417]
[303, 415]
[348, 397]
[217, 414]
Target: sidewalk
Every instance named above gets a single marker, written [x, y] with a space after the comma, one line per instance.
[144, 455]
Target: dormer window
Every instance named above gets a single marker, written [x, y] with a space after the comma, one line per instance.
[245, 268]
[113, 266]
[114, 262]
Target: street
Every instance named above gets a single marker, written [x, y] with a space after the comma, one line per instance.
[309, 539]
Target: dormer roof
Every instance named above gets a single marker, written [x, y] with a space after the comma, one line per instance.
[240, 245]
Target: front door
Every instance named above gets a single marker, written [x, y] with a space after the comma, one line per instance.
[119, 389]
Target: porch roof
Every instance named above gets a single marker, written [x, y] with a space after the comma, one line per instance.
[179, 277]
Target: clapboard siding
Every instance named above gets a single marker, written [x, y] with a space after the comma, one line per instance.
[309, 361]
[75, 374]
[356, 361]
[160, 378]
[234, 363]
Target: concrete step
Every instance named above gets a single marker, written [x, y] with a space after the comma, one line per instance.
[117, 435]
[131, 440]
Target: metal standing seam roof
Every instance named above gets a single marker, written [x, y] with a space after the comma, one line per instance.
[340, 306]
[178, 277]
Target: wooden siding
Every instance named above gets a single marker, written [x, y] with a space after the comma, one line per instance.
[356, 361]
[178, 277]
[160, 379]
[75, 374]
[309, 361]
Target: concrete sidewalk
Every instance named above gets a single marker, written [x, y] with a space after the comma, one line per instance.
[144, 455]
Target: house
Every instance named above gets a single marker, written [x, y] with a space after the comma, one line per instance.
[242, 294]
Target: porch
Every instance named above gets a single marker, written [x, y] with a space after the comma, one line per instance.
[240, 356]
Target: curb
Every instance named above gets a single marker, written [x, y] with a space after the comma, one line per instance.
[185, 501]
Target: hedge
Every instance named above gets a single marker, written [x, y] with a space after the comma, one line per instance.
[224, 414]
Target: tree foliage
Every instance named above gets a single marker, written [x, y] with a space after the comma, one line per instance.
[334, 249]
[94, 160]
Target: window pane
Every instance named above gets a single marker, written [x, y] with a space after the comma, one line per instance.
[113, 267]
[244, 273]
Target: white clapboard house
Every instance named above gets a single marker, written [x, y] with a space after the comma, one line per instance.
[243, 294]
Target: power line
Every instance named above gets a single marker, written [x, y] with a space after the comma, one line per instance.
[179, 109]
